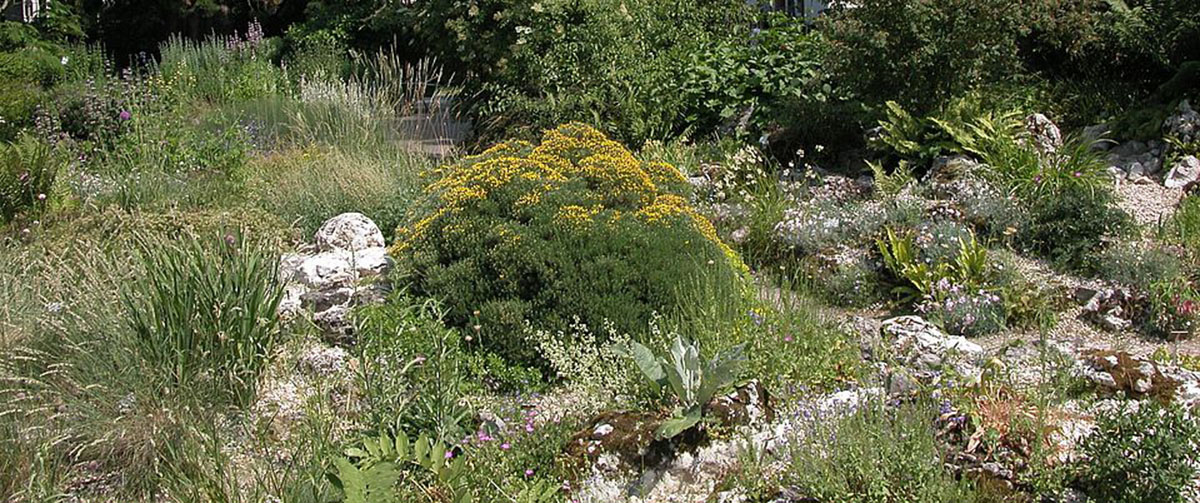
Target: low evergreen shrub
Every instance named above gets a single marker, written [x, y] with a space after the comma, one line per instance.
[573, 226]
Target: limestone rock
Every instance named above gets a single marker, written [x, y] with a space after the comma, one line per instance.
[921, 345]
[1186, 171]
[327, 279]
[1045, 134]
[349, 232]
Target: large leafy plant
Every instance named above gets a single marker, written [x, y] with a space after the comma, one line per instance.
[692, 380]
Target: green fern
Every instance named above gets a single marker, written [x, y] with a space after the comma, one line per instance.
[889, 185]
[380, 456]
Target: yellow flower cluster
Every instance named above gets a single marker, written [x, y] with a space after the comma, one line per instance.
[618, 184]
[576, 214]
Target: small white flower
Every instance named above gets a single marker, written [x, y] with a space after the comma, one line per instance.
[65, 60]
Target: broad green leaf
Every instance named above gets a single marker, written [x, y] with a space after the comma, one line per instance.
[676, 425]
[647, 363]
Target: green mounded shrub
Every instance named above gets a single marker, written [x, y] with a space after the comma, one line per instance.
[573, 226]
[1142, 456]
[21, 100]
[1069, 227]
[780, 65]
[31, 65]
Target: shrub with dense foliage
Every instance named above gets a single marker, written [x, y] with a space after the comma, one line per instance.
[919, 52]
[1142, 456]
[612, 63]
[573, 226]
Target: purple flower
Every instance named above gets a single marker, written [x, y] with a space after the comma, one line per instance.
[528, 472]
[125, 115]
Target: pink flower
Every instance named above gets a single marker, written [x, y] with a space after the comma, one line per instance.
[1078, 174]
[505, 446]
[125, 115]
[528, 472]
[449, 454]
[787, 338]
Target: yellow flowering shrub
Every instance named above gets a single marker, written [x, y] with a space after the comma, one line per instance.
[575, 225]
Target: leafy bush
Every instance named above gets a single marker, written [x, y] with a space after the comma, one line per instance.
[21, 101]
[615, 64]
[1139, 41]
[516, 232]
[31, 65]
[1141, 456]
[28, 168]
[1069, 227]
[919, 52]
[762, 78]
[206, 311]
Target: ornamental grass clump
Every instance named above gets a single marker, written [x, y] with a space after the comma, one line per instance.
[573, 226]
[205, 313]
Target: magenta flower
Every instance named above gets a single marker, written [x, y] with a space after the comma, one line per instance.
[449, 454]
[1078, 174]
[125, 115]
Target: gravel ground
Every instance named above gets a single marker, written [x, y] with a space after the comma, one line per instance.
[1148, 203]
